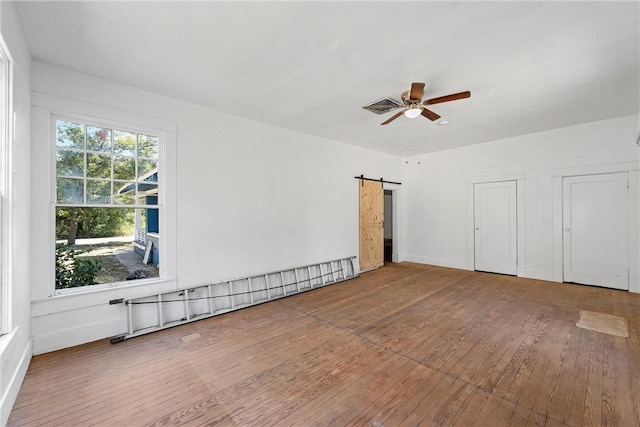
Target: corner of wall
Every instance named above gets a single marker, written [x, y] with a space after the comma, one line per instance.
[12, 386]
[16, 346]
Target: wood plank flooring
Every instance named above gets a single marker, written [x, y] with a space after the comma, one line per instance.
[407, 344]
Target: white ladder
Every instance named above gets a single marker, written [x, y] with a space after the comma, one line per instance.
[161, 311]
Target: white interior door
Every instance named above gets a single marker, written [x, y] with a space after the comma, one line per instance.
[495, 237]
[595, 230]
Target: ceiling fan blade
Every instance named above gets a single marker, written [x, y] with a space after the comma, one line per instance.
[430, 114]
[392, 118]
[447, 98]
[417, 90]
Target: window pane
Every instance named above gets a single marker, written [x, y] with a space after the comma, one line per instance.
[117, 255]
[69, 135]
[69, 163]
[124, 193]
[148, 146]
[70, 190]
[98, 192]
[98, 139]
[98, 166]
[124, 143]
[146, 166]
[124, 168]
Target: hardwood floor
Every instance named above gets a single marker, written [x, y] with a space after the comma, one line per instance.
[406, 344]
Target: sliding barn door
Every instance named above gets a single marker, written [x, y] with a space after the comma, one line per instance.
[495, 227]
[595, 230]
[371, 225]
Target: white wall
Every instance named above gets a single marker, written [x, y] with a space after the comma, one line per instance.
[250, 199]
[15, 347]
[437, 187]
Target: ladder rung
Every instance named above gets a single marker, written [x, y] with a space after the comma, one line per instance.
[284, 288]
[266, 286]
[210, 299]
[295, 273]
[160, 312]
[130, 318]
[187, 312]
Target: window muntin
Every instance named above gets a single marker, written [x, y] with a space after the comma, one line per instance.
[94, 162]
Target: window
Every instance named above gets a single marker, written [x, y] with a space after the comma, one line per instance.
[6, 138]
[106, 203]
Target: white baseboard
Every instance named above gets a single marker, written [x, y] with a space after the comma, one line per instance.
[85, 333]
[13, 386]
[440, 262]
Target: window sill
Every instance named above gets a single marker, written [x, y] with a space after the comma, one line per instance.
[105, 286]
[83, 298]
[5, 339]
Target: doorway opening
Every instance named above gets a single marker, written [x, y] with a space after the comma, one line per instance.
[388, 226]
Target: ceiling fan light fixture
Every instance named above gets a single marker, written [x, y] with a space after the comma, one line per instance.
[412, 113]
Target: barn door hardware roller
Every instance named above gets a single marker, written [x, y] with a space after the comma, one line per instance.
[363, 178]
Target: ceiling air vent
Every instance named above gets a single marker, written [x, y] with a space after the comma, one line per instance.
[383, 105]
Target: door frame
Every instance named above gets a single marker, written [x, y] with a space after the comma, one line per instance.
[621, 180]
[519, 178]
[632, 168]
[395, 228]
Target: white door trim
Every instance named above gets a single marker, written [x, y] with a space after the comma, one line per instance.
[634, 215]
[395, 250]
[616, 277]
[519, 177]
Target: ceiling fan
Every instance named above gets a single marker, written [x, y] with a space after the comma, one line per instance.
[413, 104]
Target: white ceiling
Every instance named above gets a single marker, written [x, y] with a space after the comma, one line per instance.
[311, 66]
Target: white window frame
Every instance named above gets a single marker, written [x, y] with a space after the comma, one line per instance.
[6, 172]
[113, 125]
[44, 299]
